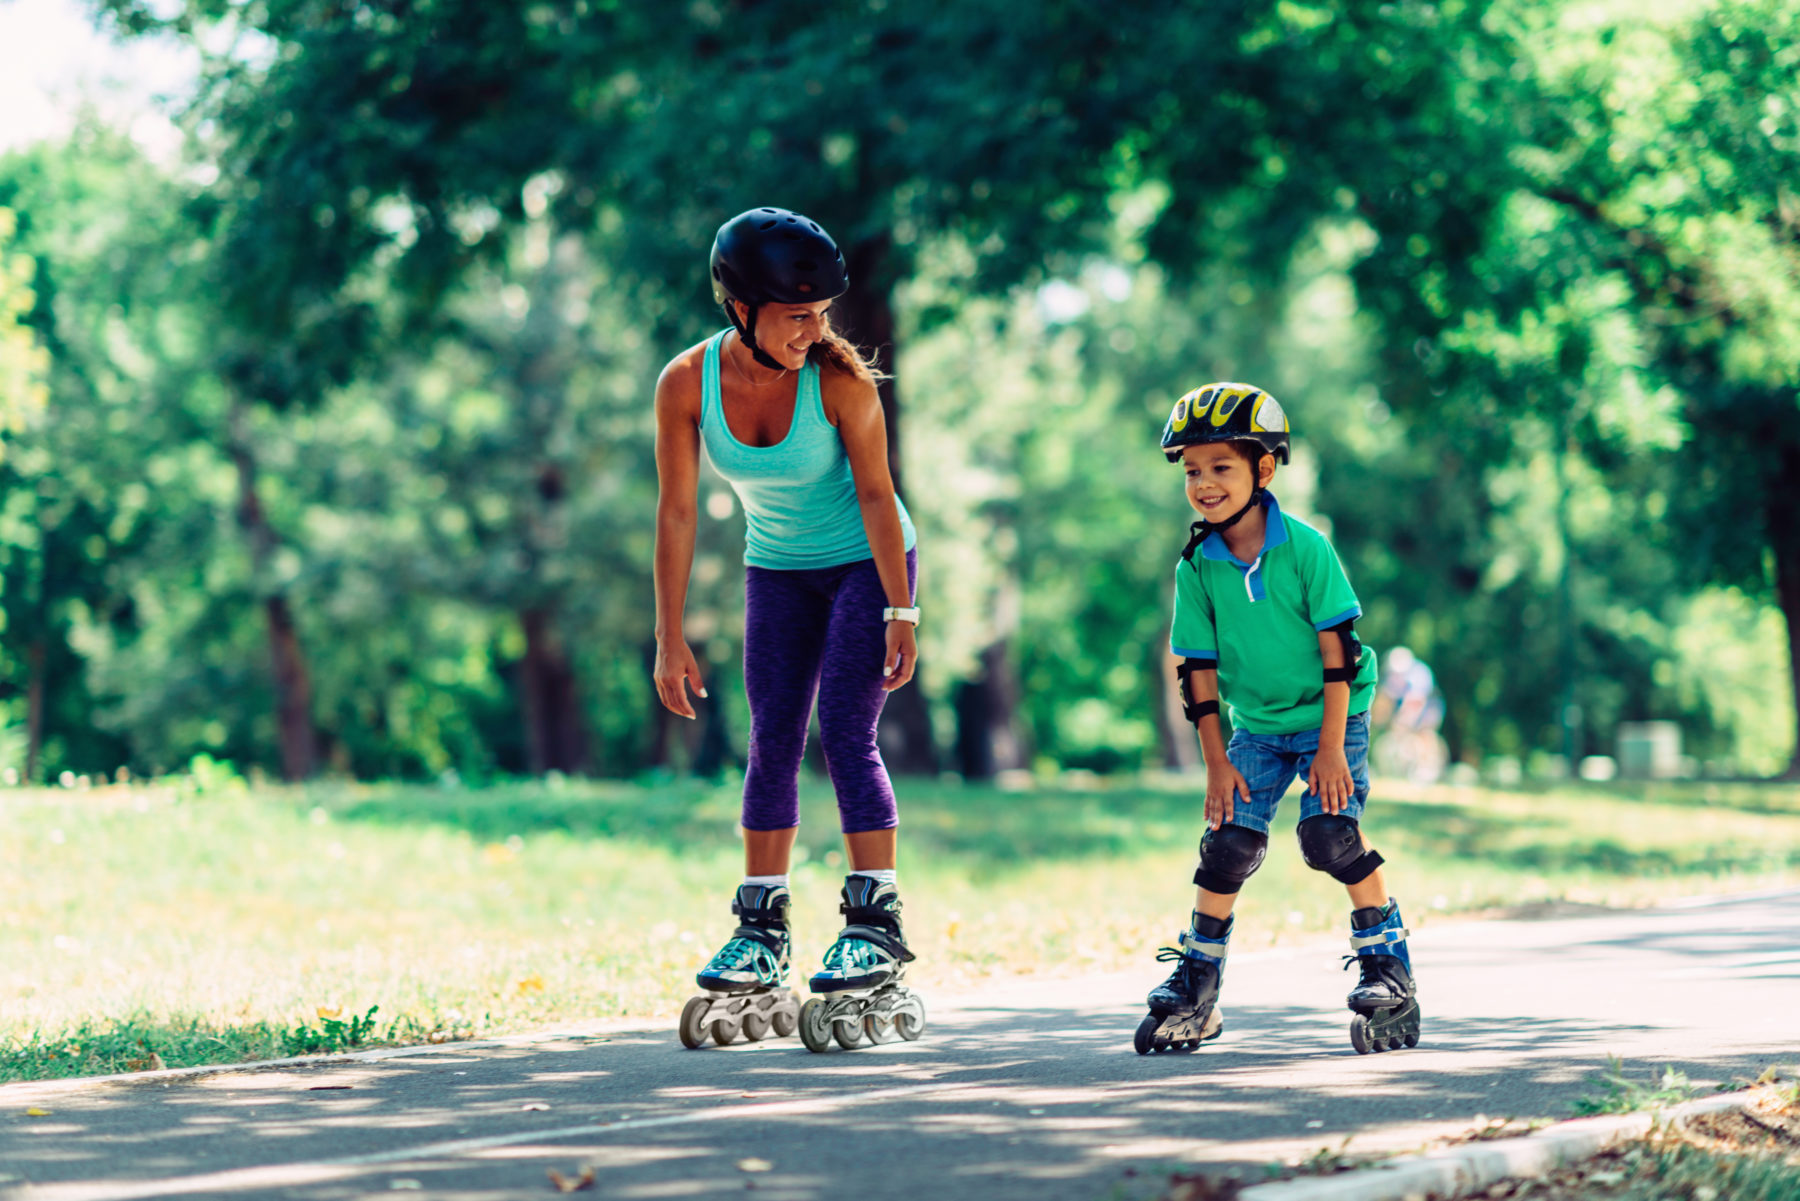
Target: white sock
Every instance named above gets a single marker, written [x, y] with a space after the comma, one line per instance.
[881, 875]
[780, 881]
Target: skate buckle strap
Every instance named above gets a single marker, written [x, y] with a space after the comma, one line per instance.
[880, 937]
[1193, 944]
[1380, 938]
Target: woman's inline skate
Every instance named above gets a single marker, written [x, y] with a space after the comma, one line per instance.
[745, 984]
[860, 992]
[1385, 1000]
[1184, 1009]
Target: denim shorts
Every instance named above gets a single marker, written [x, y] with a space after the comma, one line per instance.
[1271, 762]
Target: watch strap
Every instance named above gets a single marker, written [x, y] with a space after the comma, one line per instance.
[892, 613]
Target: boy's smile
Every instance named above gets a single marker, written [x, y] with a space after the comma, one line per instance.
[1219, 480]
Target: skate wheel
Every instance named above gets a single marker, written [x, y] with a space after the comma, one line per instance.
[875, 1029]
[785, 1020]
[815, 1027]
[910, 1022]
[1412, 1039]
[756, 1027]
[1145, 1038]
[693, 1029]
[1359, 1035]
[849, 1035]
[725, 1030]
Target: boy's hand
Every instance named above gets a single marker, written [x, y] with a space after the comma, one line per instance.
[1330, 779]
[1223, 784]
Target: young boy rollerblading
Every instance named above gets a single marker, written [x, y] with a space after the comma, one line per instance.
[1264, 618]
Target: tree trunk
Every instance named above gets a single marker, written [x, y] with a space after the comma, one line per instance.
[293, 683]
[35, 658]
[865, 314]
[555, 736]
[987, 714]
[1784, 537]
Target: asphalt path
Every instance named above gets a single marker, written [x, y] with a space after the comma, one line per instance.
[1030, 1089]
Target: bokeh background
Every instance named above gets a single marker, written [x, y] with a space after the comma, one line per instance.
[328, 332]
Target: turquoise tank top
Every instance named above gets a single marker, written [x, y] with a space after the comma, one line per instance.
[799, 496]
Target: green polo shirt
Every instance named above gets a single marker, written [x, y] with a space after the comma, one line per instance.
[1260, 623]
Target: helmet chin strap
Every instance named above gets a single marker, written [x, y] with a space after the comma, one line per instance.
[1200, 530]
[1255, 499]
[749, 339]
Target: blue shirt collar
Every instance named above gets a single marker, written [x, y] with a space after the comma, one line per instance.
[1273, 536]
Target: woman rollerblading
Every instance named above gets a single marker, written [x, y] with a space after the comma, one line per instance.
[787, 412]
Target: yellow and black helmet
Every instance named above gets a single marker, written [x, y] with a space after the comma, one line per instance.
[1227, 412]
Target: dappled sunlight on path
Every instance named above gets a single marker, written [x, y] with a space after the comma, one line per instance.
[1027, 1089]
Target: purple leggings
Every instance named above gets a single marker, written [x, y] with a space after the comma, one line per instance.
[816, 633]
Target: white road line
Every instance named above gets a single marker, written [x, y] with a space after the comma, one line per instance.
[319, 1171]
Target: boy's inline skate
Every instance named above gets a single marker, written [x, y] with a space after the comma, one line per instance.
[1385, 1000]
[745, 984]
[1184, 1009]
[860, 990]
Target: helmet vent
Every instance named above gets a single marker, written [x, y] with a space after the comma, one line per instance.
[815, 227]
[767, 225]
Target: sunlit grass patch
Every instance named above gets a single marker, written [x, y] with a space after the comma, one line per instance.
[215, 926]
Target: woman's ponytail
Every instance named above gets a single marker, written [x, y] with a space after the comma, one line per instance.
[835, 350]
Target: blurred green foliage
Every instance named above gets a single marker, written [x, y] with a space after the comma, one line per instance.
[346, 460]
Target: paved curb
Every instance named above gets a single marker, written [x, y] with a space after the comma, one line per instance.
[1457, 1170]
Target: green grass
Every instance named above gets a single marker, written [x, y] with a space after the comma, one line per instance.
[218, 923]
[1616, 1092]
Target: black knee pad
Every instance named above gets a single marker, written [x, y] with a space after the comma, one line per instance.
[1332, 843]
[1228, 856]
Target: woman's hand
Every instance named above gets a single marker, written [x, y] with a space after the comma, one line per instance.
[902, 655]
[675, 670]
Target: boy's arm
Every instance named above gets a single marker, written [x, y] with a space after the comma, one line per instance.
[1330, 776]
[1224, 782]
[1203, 686]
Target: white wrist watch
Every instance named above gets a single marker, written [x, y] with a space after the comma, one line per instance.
[892, 614]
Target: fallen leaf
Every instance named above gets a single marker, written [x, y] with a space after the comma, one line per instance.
[572, 1184]
[754, 1165]
[532, 1106]
[329, 1013]
[35, 1112]
[531, 983]
[149, 1063]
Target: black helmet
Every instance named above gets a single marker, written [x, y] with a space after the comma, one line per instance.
[772, 256]
[1226, 412]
